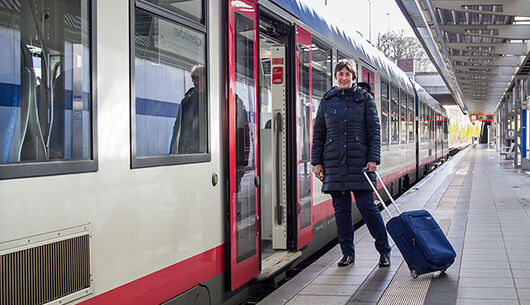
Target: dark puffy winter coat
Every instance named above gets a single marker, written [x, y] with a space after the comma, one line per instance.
[346, 135]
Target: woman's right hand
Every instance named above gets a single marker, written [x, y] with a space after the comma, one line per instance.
[319, 172]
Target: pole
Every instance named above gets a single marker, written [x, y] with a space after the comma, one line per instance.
[388, 34]
[370, 19]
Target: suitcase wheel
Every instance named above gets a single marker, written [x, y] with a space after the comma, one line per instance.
[414, 274]
[443, 270]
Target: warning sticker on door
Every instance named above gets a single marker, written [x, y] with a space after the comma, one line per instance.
[277, 75]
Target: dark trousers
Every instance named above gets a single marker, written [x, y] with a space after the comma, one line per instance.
[342, 204]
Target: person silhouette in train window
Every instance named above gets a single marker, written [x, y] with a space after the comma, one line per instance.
[188, 132]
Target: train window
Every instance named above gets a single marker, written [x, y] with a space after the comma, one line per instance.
[191, 9]
[394, 114]
[46, 79]
[431, 125]
[304, 128]
[321, 73]
[446, 129]
[245, 114]
[423, 123]
[170, 92]
[410, 107]
[369, 77]
[384, 113]
[421, 112]
[403, 115]
[341, 55]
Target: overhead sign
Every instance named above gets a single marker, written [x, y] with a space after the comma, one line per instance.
[481, 117]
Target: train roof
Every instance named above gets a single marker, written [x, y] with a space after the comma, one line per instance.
[351, 41]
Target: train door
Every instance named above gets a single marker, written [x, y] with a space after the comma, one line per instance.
[273, 141]
[244, 232]
[303, 121]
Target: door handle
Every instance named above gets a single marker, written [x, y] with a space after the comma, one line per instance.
[257, 181]
[279, 210]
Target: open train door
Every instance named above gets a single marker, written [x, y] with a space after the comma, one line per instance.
[244, 180]
[304, 135]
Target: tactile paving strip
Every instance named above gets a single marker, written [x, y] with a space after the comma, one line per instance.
[405, 290]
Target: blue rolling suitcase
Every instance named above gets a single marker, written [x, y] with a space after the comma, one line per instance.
[418, 237]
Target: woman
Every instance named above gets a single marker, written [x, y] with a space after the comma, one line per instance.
[346, 138]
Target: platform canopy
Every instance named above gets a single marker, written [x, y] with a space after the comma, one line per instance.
[479, 47]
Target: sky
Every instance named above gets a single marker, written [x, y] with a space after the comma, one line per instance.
[354, 14]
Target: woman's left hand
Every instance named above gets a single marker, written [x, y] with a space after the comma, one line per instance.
[371, 166]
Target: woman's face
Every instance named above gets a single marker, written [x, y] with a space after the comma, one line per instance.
[344, 78]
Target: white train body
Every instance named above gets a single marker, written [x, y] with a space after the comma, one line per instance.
[163, 232]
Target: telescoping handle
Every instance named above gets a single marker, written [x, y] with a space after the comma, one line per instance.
[365, 169]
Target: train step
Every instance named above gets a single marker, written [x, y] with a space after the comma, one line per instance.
[277, 263]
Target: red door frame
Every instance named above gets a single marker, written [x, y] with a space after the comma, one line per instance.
[242, 272]
[303, 37]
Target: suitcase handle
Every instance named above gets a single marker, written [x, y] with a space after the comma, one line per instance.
[365, 169]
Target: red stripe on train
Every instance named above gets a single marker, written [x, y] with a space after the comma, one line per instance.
[162, 285]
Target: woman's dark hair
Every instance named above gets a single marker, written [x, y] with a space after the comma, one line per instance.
[348, 64]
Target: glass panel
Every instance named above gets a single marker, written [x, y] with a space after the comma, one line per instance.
[431, 125]
[45, 86]
[321, 74]
[245, 108]
[304, 111]
[341, 55]
[394, 108]
[384, 113]
[384, 90]
[424, 128]
[403, 115]
[410, 107]
[192, 9]
[369, 78]
[171, 89]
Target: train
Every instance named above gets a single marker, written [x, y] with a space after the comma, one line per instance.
[158, 152]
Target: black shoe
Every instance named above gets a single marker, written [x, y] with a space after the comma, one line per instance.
[384, 260]
[346, 260]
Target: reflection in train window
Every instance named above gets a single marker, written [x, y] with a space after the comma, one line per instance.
[424, 123]
[410, 107]
[384, 113]
[246, 137]
[45, 85]
[369, 77]
[170, 88]
[304, 127]
[191, 9]
[394, 113]
[321, 73]
[403, 115]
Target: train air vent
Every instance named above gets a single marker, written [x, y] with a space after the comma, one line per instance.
[45, 268]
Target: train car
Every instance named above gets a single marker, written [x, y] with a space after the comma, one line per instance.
[159, 151]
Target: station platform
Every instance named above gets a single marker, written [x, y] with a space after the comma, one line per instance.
[481, 203]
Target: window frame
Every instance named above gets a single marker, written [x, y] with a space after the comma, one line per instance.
[31, 169]
[159, 12]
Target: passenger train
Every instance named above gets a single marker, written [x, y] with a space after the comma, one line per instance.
[159, 151]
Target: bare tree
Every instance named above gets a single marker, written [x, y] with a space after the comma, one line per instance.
[396, 45]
